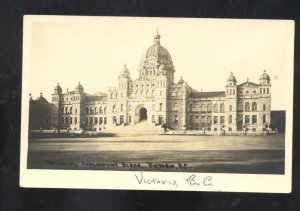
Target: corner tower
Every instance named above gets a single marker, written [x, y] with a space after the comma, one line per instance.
[230, 103]
[56, 101]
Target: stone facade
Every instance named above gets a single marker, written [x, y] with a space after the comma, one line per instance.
[40, 113]
[155, 98]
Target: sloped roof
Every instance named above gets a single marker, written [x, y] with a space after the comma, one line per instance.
[96, 98]
[207, 94]
[41, 99]
[248, 84]
[99, 94]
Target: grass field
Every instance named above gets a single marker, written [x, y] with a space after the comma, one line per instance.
[217, 154]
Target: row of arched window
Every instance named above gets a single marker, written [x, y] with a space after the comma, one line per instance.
[208, 108]
[95, 120]
[150, 72]
[76, 98]
[68, 110]
[176, 93]
[261, 91]
[230, 92]
[141, 93]
[115, 95]
[68, 120]
[248, 106]
[142, 85]
[264, 91]
[114, 108]
[161, 83]
[95, 110]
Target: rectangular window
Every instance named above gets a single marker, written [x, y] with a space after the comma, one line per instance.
[105, 120]
[230, 108]
[209, 120]
[96, 120]
[264, 107]
[75, 120]
[66, 120]
[70, 120]
[121, 119]
[240, 106]
[215, 119]
[114, 119]
[230, 119]
[254, 119]
[264, 118]
[247, 119]
[87, 120]
[222, 119]
[160, 107]
[100, 120]
[203, 120]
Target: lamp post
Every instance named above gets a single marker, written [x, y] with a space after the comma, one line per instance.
[244, 129]
[83, 127]
[223, 129]
[267, 128]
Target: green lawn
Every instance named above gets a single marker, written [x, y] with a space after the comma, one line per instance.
[218, 154]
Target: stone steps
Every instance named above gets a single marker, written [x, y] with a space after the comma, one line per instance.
[141, 127]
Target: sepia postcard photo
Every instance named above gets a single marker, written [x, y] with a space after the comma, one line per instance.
[157, 103]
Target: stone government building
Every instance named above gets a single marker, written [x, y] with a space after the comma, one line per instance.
[155, 98]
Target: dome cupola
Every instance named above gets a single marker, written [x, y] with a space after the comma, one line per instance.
[79, 89]
[124, 72]
[231, 80]
[57, 89]
[181, 81]
[264, 79]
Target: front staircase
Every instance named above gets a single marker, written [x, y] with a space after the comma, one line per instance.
[141, 127]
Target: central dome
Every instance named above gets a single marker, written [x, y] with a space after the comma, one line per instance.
[158, 51]
[156, 54]
[156, 62]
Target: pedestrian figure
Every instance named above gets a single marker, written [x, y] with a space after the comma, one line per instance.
[164, 126]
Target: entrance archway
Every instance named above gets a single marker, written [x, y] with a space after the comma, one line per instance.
[143, 114]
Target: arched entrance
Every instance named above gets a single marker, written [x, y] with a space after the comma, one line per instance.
[143, 114]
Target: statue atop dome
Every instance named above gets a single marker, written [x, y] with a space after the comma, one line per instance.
[157, 38]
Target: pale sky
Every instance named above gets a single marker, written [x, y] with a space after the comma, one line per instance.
[204, 52]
